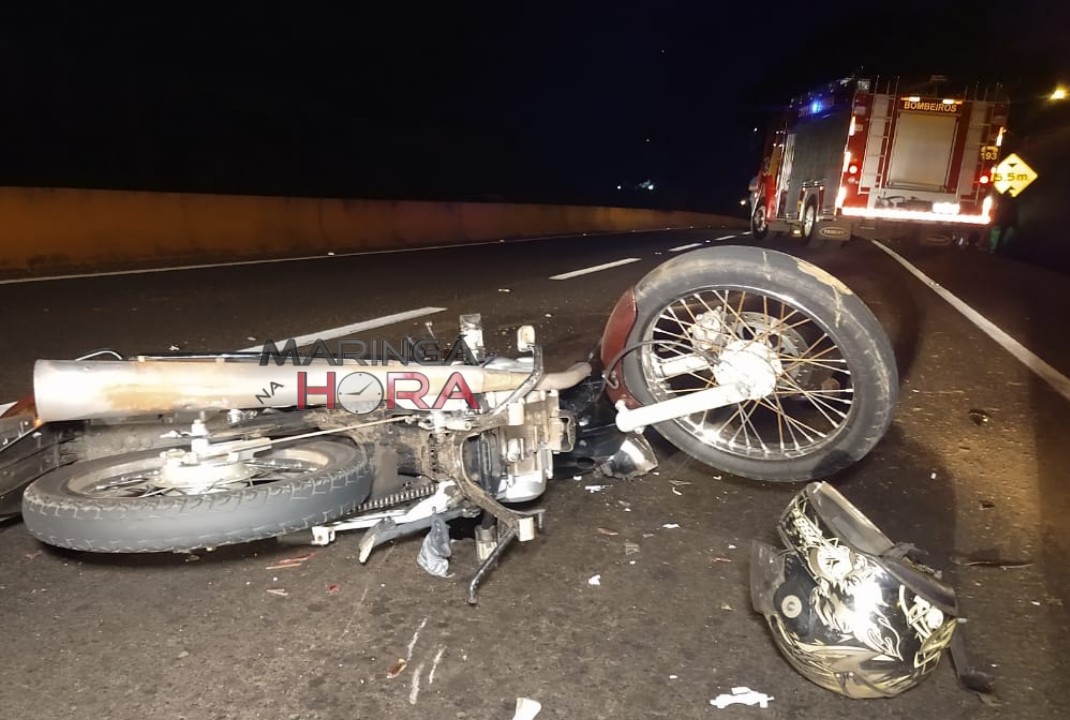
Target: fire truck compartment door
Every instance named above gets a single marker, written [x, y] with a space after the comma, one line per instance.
[921, 152]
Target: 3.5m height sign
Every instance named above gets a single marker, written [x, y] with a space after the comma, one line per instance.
[1012, 175]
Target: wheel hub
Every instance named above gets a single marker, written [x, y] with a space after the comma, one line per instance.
[751, 366]
[185, 471]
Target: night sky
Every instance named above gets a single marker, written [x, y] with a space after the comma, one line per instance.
[539, 102]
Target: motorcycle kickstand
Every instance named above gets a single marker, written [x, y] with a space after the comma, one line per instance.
[492, 558]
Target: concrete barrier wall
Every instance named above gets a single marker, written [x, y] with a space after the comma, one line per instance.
[43, 230]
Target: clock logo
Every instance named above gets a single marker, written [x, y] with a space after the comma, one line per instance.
[360, 393]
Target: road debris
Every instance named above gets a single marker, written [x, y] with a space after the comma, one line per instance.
[397, 668]
[671, 526]
[987, 504]
[526, 709]
[281, 592]
[676, 492]
[607, 532]
[333, 588]
[435, 550]
[741, 696]
[174, 348]
[594, 488]
[979, 417]
[183, 654]
[631, 548]
[291, 562]
[726, 607]
[595, 580]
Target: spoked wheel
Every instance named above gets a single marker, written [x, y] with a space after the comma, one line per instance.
[151, 501]
[836, 382]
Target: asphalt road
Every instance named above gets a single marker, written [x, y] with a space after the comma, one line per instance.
[668, 628]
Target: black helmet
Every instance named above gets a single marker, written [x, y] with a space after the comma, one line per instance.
[847, 609]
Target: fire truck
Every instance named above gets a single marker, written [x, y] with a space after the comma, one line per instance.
[880, 159]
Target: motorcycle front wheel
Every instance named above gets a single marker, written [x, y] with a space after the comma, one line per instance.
[837, 382]
[132, 503]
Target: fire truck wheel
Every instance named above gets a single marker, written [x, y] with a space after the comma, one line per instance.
[759, 224]
[809, 225]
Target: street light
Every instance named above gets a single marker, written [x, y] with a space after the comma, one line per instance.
[1058, 94]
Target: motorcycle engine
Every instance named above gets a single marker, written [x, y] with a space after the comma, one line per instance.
[514, 460]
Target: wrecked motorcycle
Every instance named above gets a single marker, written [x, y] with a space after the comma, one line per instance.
[751, 361]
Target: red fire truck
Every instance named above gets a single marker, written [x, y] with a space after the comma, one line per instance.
[877, 158]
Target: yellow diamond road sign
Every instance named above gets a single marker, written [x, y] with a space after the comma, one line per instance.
[1012, 175]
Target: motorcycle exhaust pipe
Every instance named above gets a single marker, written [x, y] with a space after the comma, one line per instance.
[92, 389]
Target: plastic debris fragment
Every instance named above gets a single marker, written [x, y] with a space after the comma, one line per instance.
[526, 709]
[741, 696]
[435, 550]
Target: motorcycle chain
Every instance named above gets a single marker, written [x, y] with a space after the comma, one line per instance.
[416, 492]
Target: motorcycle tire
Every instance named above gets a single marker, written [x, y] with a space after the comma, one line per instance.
[59, 507]
[839, 368]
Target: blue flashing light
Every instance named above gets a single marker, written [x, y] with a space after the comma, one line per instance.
[816, 106]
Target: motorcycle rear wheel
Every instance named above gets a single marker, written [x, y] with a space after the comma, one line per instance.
[834, 399]
[117, 504]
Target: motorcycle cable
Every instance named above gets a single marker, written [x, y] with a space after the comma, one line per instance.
[606, 374]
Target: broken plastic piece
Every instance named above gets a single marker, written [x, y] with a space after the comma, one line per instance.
[741, 696]
[435, 549]
[595, 580]
[526, 709]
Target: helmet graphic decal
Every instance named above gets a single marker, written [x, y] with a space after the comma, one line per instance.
[846, 611]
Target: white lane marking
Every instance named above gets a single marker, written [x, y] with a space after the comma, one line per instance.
[725, 237]
[361, 326]
[679, 248]
[5, 407]
[325, 256]
[1027, 357]
[593, 269]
